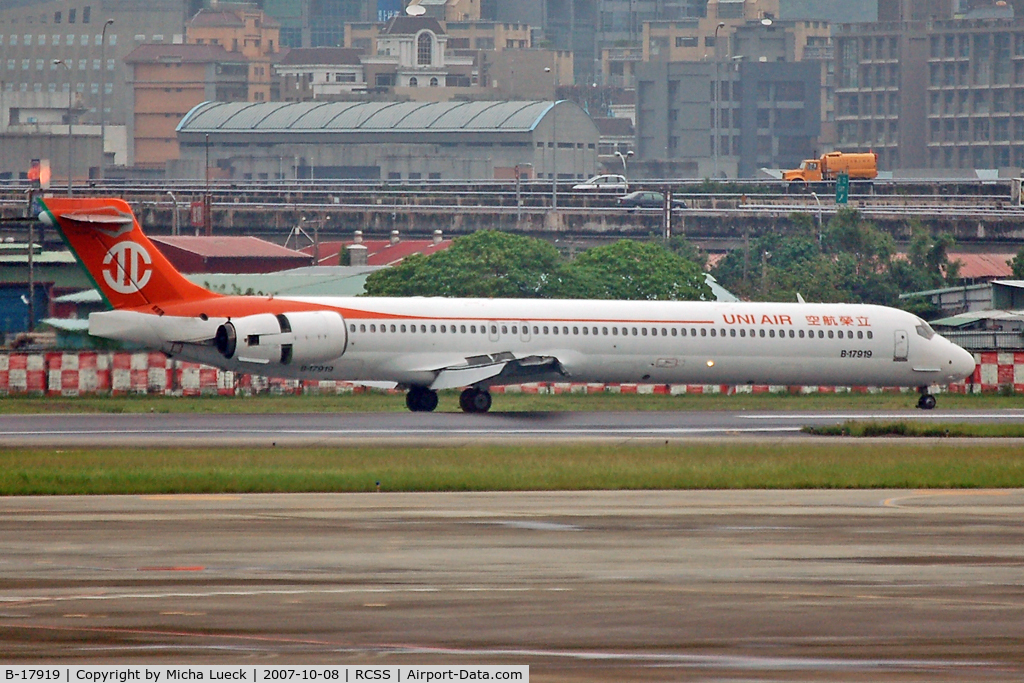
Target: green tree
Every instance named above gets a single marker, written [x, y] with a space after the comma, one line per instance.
[853, 261]
[495, 264]
[634, 271]
[1017, 265]
[485, 264]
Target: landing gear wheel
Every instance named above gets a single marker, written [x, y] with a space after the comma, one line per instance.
[475, 400]
[421, 400]
[926, 402]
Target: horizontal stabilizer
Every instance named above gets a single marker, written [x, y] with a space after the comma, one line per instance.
[98, 218]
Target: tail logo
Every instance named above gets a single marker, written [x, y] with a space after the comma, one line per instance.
[126, 267]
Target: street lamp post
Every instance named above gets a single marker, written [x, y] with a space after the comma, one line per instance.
[554, 138]
[175, 229]
[103, 85]
[623, 157]
[815, 195]
[68, 67]
[718, 97]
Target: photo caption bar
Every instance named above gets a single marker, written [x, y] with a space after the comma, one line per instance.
[164, 673]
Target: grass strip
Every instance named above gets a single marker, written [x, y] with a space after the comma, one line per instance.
[373, 402]
[920, 429]
[511, 468]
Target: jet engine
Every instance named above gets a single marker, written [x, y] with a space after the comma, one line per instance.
[285, 338]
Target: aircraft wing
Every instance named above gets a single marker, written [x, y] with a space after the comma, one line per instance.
[505, 367]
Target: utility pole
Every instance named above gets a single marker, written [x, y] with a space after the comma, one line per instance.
[554, 136]
[31, 266]
[718, 97]
[207, 208]
[103, 86]
[70, 93]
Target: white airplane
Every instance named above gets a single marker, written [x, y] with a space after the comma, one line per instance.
[429, 344]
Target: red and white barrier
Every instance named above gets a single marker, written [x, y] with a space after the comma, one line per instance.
[76, 373]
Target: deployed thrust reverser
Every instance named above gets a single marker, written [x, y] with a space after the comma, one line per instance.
[285, 338]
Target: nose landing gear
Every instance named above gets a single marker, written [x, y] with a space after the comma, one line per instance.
[927, 401]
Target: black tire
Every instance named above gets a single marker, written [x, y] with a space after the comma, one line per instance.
[475, 401]
[428, 401]
[926, 402]
[421, 400]
[482, 401]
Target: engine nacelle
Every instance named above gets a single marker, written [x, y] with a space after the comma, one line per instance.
[285, 338]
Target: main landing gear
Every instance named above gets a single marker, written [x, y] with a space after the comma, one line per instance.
[475, 400]
[421, 399]
[927, 401]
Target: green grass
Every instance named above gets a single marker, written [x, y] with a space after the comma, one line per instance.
[507, 468]
[384, 402]
[920, 429]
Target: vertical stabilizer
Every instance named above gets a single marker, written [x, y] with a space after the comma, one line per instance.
[126, 267]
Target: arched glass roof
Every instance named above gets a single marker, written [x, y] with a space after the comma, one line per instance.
[364, 116]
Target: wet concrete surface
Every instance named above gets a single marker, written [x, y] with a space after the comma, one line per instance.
[588, 586]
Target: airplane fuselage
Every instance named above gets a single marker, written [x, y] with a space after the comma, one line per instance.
[409, 340]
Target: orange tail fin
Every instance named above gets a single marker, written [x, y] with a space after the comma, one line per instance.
[125, 266]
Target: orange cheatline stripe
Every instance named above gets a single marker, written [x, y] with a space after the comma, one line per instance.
[235, 307]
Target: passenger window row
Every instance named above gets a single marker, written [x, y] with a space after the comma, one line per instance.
[615, 331]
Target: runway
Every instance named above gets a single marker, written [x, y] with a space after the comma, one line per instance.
[591, 586]
[346, 429]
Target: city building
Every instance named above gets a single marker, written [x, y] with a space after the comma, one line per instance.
[226, 57]
[387, 140]
[767, 115]
[34, 125]
[938, 94]
[587, 27]
[89, 40]
[412, 53]
[316, 73]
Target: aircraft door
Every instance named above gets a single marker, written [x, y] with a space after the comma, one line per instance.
[524, 331]
[902, 346]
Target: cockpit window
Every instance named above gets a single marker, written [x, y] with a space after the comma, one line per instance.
[924, 329]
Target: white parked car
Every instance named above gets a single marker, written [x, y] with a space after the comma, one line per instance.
[603, 183]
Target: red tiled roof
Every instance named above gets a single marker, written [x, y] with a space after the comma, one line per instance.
[378, 252]
[209, 17]
[184, 53]
[983, 266]
[213, 17]
[405, 25]
[321, 56]
[221, 247]
[612, 126]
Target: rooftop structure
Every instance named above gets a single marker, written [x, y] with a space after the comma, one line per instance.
[388, 140]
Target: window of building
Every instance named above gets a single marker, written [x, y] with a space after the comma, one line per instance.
[56, 17]
[71, 16]
[686, 41]
[424, 49]
[433, 82]
[414, 82]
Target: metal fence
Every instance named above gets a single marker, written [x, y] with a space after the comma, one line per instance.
[983, 340]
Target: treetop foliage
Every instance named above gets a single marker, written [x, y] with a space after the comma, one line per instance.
[492, 264]
[849, 260]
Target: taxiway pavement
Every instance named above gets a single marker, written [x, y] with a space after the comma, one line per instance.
[583, 586]
[339, 429]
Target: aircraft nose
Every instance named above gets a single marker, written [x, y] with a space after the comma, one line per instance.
[962, 363]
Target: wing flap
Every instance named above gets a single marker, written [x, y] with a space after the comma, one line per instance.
[504, 367]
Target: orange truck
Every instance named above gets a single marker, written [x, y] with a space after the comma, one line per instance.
[858, 165]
